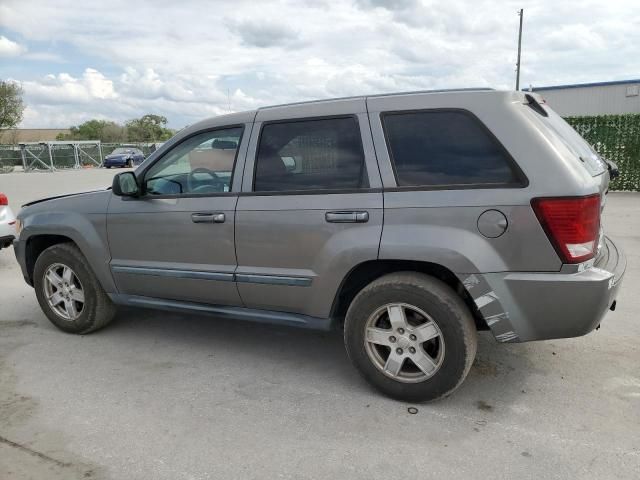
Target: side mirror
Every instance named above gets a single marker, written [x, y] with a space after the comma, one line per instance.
[125, 184]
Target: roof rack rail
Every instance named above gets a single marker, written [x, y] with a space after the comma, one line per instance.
[355, 97]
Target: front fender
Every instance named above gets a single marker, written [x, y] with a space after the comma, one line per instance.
[85, 225]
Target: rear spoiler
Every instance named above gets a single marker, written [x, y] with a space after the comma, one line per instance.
[536, 104]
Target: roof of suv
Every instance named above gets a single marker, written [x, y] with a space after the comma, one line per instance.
[320, 106]
[357, 97]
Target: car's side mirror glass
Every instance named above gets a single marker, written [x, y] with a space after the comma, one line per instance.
[125, 184]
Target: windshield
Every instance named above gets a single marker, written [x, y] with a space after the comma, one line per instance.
[119, 151]
[560, 129]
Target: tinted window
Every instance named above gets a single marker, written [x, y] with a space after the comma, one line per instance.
[444, 148]
[557, 126]
[201, 164]
[310, 155]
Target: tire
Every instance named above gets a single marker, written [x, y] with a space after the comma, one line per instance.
[94, 312]
[425, 301]
[107, 166]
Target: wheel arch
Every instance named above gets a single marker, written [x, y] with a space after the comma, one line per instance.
[90, 245]
[36, 244]
[366, 272]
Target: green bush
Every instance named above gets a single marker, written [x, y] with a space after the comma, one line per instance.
[616, 138]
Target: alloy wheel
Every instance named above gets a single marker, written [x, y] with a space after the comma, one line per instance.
[404, 342]
[63, 291]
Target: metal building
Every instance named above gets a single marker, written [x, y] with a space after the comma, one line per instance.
[603, 98]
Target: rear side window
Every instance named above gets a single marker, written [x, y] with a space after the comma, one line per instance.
[324, 154]
[440, 148]
[578, 146]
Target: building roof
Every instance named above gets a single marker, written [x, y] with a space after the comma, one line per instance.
[586, 85]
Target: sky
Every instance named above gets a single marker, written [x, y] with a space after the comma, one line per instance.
[192, 59]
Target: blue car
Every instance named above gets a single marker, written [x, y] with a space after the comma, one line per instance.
[124, 157]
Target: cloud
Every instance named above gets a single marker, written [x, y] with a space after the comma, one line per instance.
[262, 33]
[148, 84]
[64, 89]
[61, 100]
[198, 58]
[387, 4]
[9, 48]
[44, 57]
[575, 37]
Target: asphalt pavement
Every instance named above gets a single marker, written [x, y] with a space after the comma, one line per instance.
[167, 396]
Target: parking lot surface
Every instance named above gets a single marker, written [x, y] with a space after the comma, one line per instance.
[167, 396]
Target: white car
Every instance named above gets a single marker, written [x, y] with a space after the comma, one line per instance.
[7, 223]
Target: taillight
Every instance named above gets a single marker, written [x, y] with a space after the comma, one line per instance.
[3, 199]
[572, 225]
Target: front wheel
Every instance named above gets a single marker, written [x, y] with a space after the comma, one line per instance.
[68, 292]
[411, 336]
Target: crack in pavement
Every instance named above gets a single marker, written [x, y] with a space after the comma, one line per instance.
[35, 453]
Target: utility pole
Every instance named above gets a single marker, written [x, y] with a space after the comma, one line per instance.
[521, 15]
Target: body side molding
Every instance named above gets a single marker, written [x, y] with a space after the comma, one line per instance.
[236, 313]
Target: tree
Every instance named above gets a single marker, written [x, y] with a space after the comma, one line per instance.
[149, 128]
[11, 104]
[103, 130]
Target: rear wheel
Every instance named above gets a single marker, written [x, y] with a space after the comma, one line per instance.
[68, 292]
[411, 336]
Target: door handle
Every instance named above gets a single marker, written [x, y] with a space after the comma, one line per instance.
[207, 217]
[347, 217]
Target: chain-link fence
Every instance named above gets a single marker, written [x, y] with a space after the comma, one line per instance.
[60, 155]
[9, 158]
[616, 138]
[50, 156]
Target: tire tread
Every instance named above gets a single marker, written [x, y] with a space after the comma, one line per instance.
[420, 282]
[104, 310]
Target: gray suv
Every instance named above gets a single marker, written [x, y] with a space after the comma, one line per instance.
[410, 221]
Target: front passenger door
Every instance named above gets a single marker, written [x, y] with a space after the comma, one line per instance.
[177, 240]
[311, 208]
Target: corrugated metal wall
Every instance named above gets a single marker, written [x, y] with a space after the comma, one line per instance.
[593, 100]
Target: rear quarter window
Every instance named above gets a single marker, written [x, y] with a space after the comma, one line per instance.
[446, 149]
[556, 126]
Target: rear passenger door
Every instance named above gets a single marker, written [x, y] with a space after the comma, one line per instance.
[454, 195]
[310, 208]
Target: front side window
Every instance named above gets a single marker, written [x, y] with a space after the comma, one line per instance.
[202, 164]
[324, 154]
[445, 148]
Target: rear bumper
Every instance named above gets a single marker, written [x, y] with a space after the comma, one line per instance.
[521, 307]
